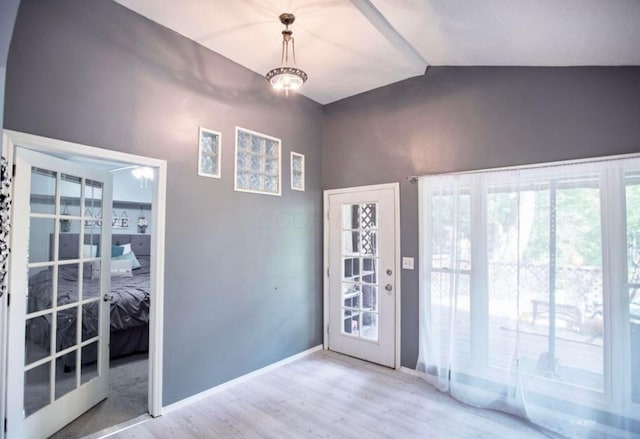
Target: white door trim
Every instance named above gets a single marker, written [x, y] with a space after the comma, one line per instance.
[11, 139]
[398, 266]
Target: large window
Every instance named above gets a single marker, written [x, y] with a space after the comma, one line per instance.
[530, 292]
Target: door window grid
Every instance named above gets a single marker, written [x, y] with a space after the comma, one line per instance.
[51, 370]
[360, 267]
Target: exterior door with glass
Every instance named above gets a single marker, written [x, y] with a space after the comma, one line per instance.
[362, 275]
[58, 360]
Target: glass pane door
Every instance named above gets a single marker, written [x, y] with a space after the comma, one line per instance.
[61, 289]
[58, 321]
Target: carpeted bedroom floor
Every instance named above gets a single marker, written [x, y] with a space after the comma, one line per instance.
[127, 399]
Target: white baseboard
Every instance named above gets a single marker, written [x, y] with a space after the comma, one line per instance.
[219, 388]
[408, 371]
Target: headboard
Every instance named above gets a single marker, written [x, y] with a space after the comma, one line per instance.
[140, 244]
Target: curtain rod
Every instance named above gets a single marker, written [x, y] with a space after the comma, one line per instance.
[415, 178]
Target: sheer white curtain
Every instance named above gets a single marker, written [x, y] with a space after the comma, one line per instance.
[528, 297]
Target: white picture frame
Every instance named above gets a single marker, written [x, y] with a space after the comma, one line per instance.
[297, 171]
[258, 163]
[209, 153]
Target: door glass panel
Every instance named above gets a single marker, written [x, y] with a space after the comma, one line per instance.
[368, 216]
[69, 247]
[92, 232]
[70, 194]
[91, 279]
[93, 195]
[350, 215]
[351, 243]
[360, 274]
[65, 374]
[352, 295]
[89, 365]
[41, 239]
[370, 297]
[37, 388]
[43, 191]
[370, 325]
[368, 243]
[40, 289]
[37, 338]
[90, 320]
[68, 284]
[351, 321]
[370, 270]
[67, 328]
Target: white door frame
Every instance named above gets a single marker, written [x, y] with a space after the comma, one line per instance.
[10, 140]
[396, 196]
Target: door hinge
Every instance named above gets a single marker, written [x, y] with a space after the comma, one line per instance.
[328, 272]
[328, 329]
[5, 425]
[8, 299]
[328, 214]
[13, 170]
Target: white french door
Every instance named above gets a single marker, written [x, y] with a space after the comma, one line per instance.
[58, 315]
[362, 275]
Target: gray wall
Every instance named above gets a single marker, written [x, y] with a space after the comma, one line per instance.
[8, 11]
[463, 118]
[128, 188]
[243, 271]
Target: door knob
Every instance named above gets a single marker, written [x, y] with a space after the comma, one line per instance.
[388, 287]
[107, 297]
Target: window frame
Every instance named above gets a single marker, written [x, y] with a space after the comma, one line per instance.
[237, 169]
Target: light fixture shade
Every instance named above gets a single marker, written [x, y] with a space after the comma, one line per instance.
[286, 78]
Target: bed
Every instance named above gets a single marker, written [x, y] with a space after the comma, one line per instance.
[130, 299]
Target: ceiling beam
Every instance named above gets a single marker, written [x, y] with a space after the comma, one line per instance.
[385, 28]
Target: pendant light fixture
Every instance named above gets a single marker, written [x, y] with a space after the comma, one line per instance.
[287, 76]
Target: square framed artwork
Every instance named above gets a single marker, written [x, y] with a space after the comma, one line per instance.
[209, 153]
[297, 171]
[258, 163]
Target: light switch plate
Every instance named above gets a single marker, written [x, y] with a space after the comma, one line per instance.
[407, 263]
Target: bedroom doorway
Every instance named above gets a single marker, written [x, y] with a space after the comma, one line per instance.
[149, 244]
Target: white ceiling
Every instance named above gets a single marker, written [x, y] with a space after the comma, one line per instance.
[351, 46]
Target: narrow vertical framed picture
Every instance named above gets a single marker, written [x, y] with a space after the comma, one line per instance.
[209, 153]
[297, 171]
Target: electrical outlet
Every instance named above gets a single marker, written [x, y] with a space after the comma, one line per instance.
[407, 263]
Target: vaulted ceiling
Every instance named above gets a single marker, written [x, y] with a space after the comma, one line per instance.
[351, 46]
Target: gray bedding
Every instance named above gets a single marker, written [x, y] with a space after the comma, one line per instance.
[129, 308]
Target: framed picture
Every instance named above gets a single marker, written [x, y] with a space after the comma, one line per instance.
[258, 164]
[297, 171]
[209, 153]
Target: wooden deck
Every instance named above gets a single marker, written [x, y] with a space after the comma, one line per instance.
[327, 395]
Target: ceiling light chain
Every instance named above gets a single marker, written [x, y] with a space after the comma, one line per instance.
[287, 77]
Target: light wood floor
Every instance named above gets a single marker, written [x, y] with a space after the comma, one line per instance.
[328, 395]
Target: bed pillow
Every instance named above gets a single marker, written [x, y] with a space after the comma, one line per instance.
[129, 256]
[126, 249]
[119, 268]
[117, 250]
[89, 251]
